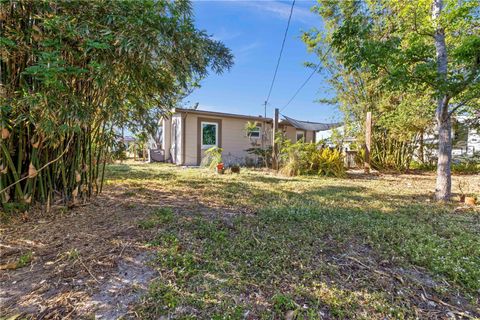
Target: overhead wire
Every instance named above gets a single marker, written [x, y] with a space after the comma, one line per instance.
[305, 82]
[280, 55]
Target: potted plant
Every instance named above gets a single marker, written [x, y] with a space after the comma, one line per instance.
[213, 159]
[235, 168]
[220, 168]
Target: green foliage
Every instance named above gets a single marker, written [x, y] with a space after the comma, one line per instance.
[460, 165]
[468, 167]
[119, 151]
[164, 215]
[147, 224]
[467, 164]
[382, 58]
[310, 158]
[213, 156]
[283, 303]
[158, 217]
[264, 155]
[251, 126]
[391, 154]
[75, 72]
[24, 259]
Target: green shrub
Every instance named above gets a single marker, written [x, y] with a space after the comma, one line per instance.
[263, 155]
[460, 165]
[466, 168]
[467, 164]
[309, 158]
[415, 165]
[213, 156]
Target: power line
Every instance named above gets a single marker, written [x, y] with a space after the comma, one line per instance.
[280, 55]
[300, 88]
[306, 81]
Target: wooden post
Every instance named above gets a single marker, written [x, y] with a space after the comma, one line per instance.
[422, 151]
[368, 141]
[274, 144]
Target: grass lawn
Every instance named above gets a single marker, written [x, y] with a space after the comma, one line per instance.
[257, 245]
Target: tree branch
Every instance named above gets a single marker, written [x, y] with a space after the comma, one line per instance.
[458, 106]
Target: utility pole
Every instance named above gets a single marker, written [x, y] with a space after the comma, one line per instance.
[368, 141]
[264, 126]
[274, 144]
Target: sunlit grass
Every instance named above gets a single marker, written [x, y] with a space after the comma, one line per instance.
[285, 253]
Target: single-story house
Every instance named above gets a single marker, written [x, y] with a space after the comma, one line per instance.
[187, 133]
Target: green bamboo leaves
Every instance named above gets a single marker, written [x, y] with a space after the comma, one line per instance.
[72, 74]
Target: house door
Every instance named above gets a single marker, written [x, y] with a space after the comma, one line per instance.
[209, 134]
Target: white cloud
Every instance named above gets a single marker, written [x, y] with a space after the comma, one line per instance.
[225, 35]
[248, 48]
[243, 52]
[281, 10]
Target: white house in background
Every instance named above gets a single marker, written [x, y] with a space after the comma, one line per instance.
[466, 140]
[187, 133]
[473, 142]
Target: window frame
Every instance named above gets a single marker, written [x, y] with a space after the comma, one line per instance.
[302, 132]
[257, 131]
[207, 146]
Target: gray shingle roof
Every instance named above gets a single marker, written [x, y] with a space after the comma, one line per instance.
[314, 126]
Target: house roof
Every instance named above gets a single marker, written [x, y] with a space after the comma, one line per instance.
[307, 125]
[223, 114]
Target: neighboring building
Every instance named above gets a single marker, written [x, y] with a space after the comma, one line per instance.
[187, 133]
[466, 139]
[473, 142]
[296, 130]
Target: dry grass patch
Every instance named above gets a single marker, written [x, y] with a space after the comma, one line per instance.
[254, 245]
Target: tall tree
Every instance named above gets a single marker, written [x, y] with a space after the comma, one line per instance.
[431, 47]
[444, 122]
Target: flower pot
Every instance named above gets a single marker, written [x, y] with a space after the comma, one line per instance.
[235, 169]
[470, 201]
[220, 168]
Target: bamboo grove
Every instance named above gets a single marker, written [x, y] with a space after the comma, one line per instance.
[72, 72]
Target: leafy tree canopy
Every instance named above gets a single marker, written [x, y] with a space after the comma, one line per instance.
[72, 70]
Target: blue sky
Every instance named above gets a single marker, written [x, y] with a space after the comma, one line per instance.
[254, 30]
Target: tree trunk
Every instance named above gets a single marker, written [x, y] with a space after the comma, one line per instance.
[444, 125]
[444, 178]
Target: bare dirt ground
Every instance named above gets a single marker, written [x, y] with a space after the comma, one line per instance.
[92, 261]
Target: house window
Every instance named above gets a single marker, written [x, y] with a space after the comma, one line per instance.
[209, 134]
[255, 133]
[300, 135]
